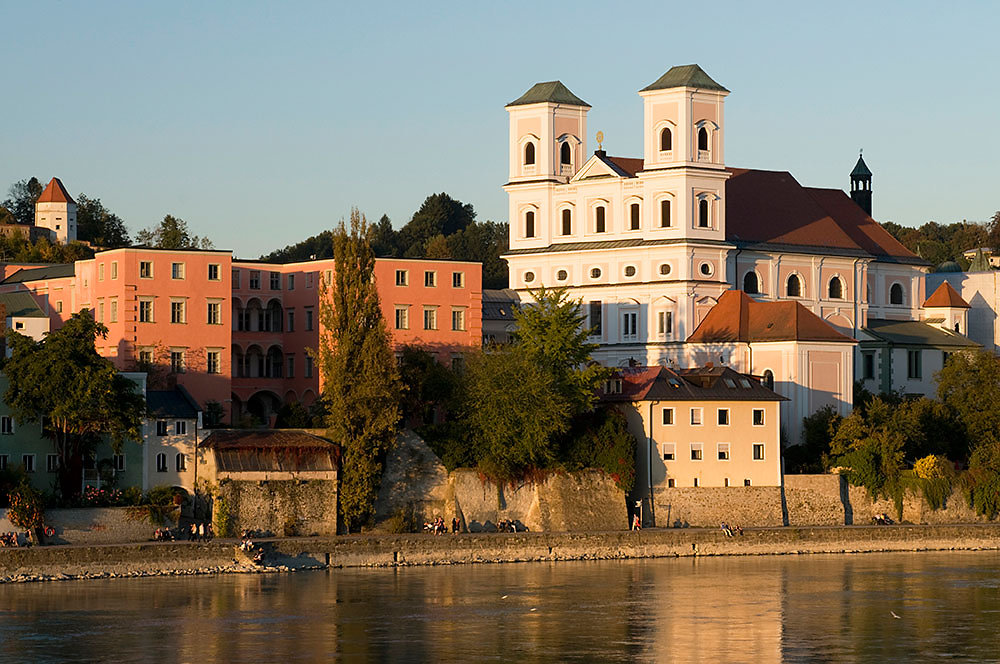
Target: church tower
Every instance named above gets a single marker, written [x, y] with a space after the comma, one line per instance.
[861, 186]
[55, 210]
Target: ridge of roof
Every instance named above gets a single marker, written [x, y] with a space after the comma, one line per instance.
[946, 296]
[549, 91]
[684, 76]
[55, 192]
[20, 304]
[628, 166]
[55, 271]
[915, 332]
[737, 317]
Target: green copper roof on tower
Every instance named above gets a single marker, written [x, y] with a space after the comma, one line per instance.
[861, 169]
[685, 76]
[552, 92]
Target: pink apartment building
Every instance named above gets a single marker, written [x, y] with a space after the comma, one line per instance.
[434, 304]
[241, 333]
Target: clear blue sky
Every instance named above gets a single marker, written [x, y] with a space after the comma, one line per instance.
[263, 123]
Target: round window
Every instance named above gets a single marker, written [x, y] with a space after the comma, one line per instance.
[665, 269]
[529, 277]
[595, 273]
[706, 269]
[630, 270]
[561, 275]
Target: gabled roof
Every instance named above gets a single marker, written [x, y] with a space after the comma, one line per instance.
[696, 384]
[550, 91]
[770, 209]
[861, 169]
[737, 317]
[41, 273]
[264, 438]
[176, 403]
[627, 166]
[684, 76]
[916, 333]
[55, 192]
[946, 296]
[600, 165]
[20, 304]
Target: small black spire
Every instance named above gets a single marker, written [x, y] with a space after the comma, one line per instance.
[861, 185]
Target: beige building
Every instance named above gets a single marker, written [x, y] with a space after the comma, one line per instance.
[703, 427]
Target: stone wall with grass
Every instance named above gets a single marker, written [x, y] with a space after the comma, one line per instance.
[285, 507]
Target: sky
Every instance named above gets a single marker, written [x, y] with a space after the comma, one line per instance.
[261, 124]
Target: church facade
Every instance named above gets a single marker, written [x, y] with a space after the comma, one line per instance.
[650, 245]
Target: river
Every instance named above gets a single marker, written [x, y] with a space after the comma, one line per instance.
[830, 608]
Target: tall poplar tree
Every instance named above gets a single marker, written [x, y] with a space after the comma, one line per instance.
[360, 379]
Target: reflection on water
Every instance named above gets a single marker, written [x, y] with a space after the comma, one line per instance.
[808, 608]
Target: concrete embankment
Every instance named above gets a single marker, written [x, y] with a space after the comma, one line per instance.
[180, 558]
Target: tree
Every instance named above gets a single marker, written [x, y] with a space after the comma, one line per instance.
[385, 238]
[75, 393]
[360, 382]
[483, 242]
[428, 385]
[437, 248]
[98, 225]
[22, 196]
[440, 214]
[551, 333]
[315, 247]
[172, 233]
[969, 384]
[513, 413]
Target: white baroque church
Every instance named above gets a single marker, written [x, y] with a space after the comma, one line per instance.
[681, 260]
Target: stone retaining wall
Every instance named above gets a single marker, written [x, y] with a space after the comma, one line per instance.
[95, 525]
[711, 506]
[303, 507]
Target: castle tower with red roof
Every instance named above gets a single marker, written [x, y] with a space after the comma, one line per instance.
[55, 210]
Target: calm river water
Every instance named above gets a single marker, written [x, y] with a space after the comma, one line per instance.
[768, 609]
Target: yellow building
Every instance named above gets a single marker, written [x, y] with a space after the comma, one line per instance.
[701, 427]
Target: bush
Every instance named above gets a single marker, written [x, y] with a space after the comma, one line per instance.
[402, 521]
[450, 442]
[601, 439]
[222, 518]
[25, 509]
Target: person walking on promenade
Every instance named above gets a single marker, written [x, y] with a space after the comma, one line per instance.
[636, 524]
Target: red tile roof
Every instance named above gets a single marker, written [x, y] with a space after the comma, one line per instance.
[772, 208]
[946, 296]
[628, 165]
[693, 384]
[737, 317]
[55, 192]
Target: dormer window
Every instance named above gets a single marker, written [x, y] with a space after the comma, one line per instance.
[703, 139]
[565, 154]
[529, 224]
[896, 294]
[666, 140]
[836, 289]
[567, 222]
[529, 154]
[703, 217]
[599, 219]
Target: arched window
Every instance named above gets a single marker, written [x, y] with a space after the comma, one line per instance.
[161, 463]
[703, 139]
[958, 327]
[836, 289]
[565, 154]
[529, 224]
[567, 222]
[529, 154]
[703, 220]
[665, 213]
[768, 379]
[750, 284]
[599, 223]
[793, 287]
[634, 216]
[180, 462]
[896, 294]
[666, 140]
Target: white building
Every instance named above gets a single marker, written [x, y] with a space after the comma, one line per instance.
[55, 211]
[650, 245]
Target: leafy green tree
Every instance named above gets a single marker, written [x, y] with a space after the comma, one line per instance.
[429, 387]
[483, 242]
[98, 225]
[870, 444]
[172, 233]
[6, 216]
[384, 238]
[315, 247]
[551, 333]
[440, 214]
[76, 394]
[22, 196]
[513, 413]
[360, 381]
[601, 439]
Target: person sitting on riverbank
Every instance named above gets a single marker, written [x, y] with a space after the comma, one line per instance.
[727, 530]
[455, 525]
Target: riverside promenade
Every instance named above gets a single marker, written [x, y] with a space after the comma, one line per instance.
[290, 554]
